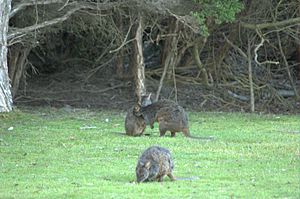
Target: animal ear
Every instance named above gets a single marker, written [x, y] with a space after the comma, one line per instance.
[147, 165]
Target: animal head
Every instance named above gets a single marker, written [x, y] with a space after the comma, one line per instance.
[146, 100]
[142, 171]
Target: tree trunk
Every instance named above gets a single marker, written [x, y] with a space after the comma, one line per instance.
[252, 98]
[196, 55]
[120, 64]
[120, 57]
[5, 93]
[16, 69]
[138, 63]
[298, 59]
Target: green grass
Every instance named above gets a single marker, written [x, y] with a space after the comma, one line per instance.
[49, 155]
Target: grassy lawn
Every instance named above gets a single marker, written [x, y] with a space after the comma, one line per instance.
[55, 153]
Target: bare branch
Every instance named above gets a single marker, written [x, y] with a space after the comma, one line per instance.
[235, 47]
[258, 47]
[19, 31]
[66, 3]
[79, 6]
[24, 4]
[187, 20]
[271, 25]
[124, 42]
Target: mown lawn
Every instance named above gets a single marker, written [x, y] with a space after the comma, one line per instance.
[57, 153]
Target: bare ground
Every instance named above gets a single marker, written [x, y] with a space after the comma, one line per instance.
[106, 92]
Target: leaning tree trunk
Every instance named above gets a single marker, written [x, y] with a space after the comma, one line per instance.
[170, 57]
[196, 56]
[5, 93]
[134, 122]
[138, 63]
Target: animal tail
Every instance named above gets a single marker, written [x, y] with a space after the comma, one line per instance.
[201, 138]
[187, 133]
[188, 178]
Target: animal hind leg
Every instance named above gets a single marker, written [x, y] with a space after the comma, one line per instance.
[160, 178]
[162, 133]
[152, 125]
[170, 175]
[186, 132]
[162, 130]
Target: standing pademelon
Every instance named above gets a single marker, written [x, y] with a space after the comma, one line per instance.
[169, 115]
[134, 124]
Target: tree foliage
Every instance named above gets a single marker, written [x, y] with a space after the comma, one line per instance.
[217, 11]
[96, 36]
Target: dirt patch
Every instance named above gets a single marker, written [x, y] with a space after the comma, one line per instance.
[106, 92]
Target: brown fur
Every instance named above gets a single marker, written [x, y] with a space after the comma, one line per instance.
[169, 115]
[154, 164]
[134, 125]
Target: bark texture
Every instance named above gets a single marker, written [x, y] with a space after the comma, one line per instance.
[138, 64]
[5, 93]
